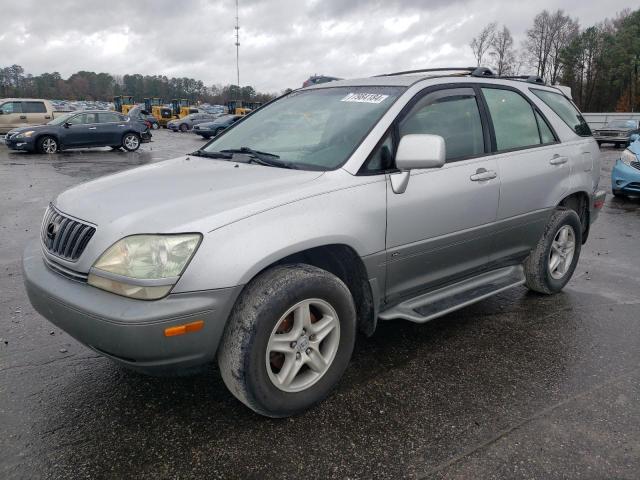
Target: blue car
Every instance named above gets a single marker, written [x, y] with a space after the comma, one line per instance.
[625, 176]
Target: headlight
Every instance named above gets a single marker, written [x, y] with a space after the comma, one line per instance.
[25, 134]
[144, 266]
[627, 157]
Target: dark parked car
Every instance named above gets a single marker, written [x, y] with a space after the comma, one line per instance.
[99, 128]
[211, 129]
[187, 123]
[617, 132]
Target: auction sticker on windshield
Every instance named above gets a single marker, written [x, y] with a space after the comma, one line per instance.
[364, 97]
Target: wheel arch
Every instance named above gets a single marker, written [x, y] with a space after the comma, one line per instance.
[45, 134]
[578, 201]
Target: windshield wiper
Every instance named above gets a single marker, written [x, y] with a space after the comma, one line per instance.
[262, 158]
[203, 153]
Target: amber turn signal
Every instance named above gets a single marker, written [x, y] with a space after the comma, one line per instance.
[185, 328]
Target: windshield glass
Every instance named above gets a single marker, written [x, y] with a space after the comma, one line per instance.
[621, 124]
[61, 120]
[314, 128]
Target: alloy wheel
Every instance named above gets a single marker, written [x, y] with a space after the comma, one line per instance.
[303, 345]
[562, 251]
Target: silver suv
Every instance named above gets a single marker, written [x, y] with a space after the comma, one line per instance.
[404, 196]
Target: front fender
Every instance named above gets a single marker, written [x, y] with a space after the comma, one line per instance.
[232, 255]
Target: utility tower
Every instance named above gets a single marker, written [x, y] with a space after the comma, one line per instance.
[237, 48]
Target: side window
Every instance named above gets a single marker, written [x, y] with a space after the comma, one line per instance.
[33, 107]
[513, 119]
[382, 157]
[90, 118]
[12, 107]
[565, 110]
[108, 117]
[77, 120]
[546, 135]
[454, 115]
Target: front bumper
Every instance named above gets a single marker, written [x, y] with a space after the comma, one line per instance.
[22, 144]
[625, 178]
[129, 331]
[205, 132]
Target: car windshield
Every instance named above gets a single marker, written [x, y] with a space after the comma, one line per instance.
[621, 124]
[314, 129]
[61, 120]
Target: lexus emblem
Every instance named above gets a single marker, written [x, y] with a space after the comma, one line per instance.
[52, 229]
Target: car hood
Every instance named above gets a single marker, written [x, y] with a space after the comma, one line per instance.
[186, 194]
[635, 148]
[35, 128]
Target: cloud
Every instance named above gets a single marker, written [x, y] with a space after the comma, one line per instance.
[282, 41]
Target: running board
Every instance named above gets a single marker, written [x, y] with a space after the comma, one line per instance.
[439, 302]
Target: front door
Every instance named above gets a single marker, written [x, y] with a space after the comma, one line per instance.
[82, 130]
[440, 229]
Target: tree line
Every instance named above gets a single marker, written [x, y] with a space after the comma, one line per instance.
[600, 63]
[84, 85]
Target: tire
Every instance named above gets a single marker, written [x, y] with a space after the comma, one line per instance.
[130, 142]
[47, 145]
[217, 131]
[248, 365]
[618, 193]
[206, 137]
[540, 276]
[184, 127]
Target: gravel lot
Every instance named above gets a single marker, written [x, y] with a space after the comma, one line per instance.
[517, 386]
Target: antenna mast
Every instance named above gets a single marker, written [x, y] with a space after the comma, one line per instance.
[237, 46]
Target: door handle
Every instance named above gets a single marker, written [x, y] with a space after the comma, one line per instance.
[92, 128]
[558, 160]
[483, 174]
[23, 117]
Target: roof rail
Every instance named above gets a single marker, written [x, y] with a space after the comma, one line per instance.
[527, 78]
[425, 70]
[482, 72]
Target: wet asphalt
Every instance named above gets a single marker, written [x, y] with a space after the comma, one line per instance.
[517, 386]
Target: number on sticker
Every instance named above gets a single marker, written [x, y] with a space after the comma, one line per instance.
[364, 97]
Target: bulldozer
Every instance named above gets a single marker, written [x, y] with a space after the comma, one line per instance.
[182, 107]
[238, 107]
[155, 106]
[123, 103]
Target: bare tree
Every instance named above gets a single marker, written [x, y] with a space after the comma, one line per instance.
[501, 50]
[563, 31]
[480, 44]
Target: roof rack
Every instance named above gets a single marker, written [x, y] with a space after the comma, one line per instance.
[426, 70]
[473, 71]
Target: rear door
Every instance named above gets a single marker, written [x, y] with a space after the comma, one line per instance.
[534, 171]
[111, 129]
[440, 229]
[36, 112]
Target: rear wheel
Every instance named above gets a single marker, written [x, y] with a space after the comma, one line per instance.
[131, 142]
[47, 144]
[552, 262]
[184, 127]
[289, 340]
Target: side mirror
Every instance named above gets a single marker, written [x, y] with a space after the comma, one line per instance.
[66, 124]
[416, 151]
[634, 137]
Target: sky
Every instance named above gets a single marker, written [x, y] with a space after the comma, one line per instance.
[283, 42]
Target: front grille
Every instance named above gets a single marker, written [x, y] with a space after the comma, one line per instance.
[63, 236]
[636, 165]
[610, 134]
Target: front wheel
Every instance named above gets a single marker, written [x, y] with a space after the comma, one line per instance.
[47, 145]
[184, 127]
[131, 142]
[289, 340]
[552, 262]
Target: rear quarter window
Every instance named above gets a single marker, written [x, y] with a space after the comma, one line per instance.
[33, 107]
[565, 109]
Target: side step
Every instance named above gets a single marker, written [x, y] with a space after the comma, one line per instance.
[439, 302]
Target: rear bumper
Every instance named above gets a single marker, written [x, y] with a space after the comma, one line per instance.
[129, 331]
[622, 138]
[625, 178]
